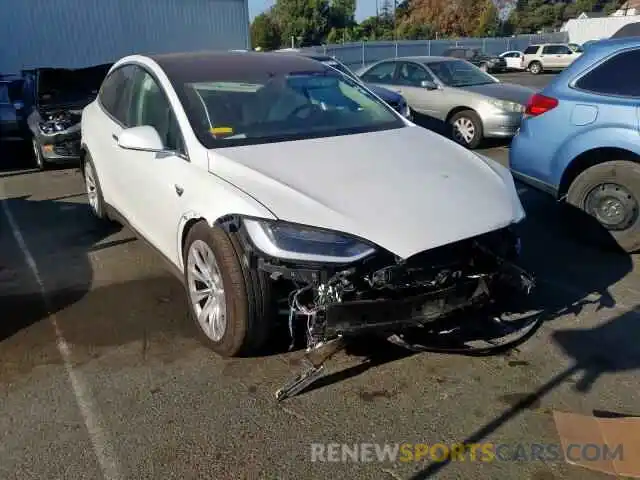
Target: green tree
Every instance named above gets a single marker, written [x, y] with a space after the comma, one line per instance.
[487, 22]
[265, 33]
[307, 22]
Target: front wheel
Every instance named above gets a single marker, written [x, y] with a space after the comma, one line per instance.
[94, 190]
[467, 128]
[38, 156]
[230, 303]
[610, 192]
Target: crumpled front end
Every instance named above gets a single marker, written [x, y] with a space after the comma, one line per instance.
[386, 295]
[58, 133]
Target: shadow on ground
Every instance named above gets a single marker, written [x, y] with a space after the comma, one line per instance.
[58, 235]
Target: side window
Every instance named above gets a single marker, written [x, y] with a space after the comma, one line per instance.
[617, 76]
[412, 75]
[382, 73]
[150, 106]
[115, 93]
[564, 50]
[457, 54]
[532, 50]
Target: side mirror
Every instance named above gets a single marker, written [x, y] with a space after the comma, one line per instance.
[144, 138]
[428, 84]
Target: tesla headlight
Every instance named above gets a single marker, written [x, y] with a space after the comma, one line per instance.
[294, 242]
[507, 106]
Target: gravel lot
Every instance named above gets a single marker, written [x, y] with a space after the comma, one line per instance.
[103, 378]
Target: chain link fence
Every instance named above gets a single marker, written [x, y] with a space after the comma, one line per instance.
[360, 54]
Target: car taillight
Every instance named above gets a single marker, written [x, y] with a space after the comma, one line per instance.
[539, 104]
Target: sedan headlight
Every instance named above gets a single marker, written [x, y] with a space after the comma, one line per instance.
[507, 106]
[294, 242]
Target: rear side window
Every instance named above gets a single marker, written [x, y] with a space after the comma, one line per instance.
[381, 73]
[617, 76]
[531, 50]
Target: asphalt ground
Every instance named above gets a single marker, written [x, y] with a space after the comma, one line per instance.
[101, 375]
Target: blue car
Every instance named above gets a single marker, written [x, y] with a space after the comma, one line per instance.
[580, 138]
[393, 99]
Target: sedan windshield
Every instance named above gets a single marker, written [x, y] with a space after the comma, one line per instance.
[281, 108]
[458, 73]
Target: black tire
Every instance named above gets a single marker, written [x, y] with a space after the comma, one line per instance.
[478, 131]
[38, 157]
[623, 173]
[247, 293]
[535, 68]
[99, 207]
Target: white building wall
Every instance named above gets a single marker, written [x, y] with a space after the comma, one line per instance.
[581, 31]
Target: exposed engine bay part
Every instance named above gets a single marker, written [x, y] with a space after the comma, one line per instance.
[440, 292]
[60, 96]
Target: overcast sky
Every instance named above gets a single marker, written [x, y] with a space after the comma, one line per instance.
[364, 9]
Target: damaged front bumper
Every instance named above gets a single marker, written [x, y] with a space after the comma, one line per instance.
[57, 134]
[389, 296]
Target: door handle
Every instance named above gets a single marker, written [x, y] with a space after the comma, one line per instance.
[179, 190]
[114, 136]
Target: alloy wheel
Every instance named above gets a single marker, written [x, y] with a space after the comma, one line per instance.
[206, 290]
[464, 130]
[91, 188]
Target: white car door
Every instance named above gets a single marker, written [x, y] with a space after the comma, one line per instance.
[104, 129]
[514, 60]
[156, 183]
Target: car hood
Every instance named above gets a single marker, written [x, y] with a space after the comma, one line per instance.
[385, 94]
[61, 88]
[406, 190]
[503, 91]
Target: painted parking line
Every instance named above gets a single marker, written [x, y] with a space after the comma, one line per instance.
[102, 446]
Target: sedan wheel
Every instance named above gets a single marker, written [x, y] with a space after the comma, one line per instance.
[467, 128]
[37, 154]
[206, 290]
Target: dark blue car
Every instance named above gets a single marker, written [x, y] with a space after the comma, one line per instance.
[580, 138]
[392, 98]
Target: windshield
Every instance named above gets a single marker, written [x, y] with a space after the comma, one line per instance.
[458, 73]
[293, 107]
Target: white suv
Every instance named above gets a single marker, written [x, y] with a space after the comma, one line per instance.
[548, 56]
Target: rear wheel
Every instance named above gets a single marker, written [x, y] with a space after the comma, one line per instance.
[467, 128]
[610, 192]
[230, 303]
[535, 68]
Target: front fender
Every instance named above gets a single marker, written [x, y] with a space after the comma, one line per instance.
[591, 139]
[217, 199]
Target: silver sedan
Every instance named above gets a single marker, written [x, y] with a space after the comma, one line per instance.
[475, 104]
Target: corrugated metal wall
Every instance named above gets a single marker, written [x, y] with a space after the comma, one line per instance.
[80, 33]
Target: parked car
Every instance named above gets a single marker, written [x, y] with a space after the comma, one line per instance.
[548, 56]
[474, 103]
[486, 63]
[580, 138]
[59, 95]
[271, 181]
[394, 99]
[513, 59]
[12, 121]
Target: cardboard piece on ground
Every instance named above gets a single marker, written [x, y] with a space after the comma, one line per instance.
[582, 430]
